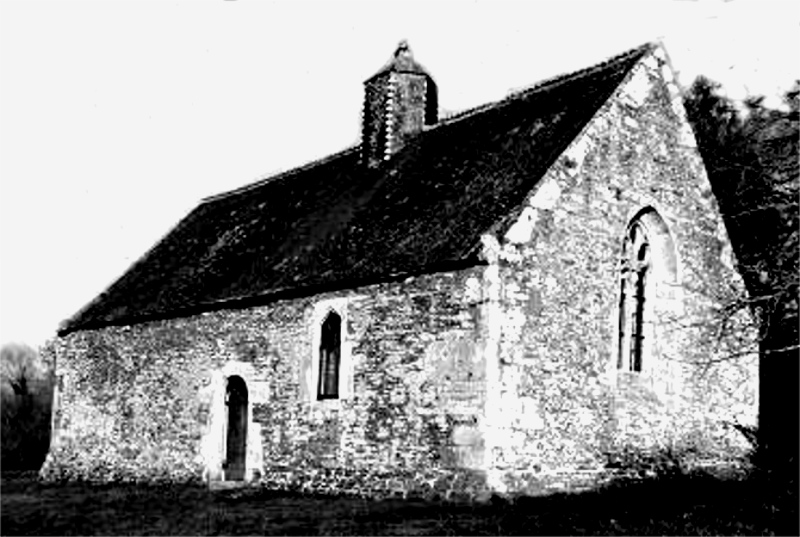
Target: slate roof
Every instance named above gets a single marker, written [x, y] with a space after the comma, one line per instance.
[338, 224]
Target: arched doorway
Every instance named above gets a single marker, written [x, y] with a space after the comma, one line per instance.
[236, 444]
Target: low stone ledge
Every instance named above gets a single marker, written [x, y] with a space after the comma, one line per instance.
[447, 484]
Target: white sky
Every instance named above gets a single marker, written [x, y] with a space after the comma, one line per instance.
[116, 117]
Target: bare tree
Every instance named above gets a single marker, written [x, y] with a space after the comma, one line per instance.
[752, 157]
[26, 386]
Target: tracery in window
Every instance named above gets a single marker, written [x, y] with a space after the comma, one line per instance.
[648, 259]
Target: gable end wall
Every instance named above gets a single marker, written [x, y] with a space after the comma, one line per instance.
[563, 410]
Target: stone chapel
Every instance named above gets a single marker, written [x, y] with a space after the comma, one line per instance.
[501, 300]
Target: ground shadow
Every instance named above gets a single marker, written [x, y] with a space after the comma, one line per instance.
[684, 505]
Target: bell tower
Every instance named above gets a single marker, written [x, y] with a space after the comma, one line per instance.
[399, 100]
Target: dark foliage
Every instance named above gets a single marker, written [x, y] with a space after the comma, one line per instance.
[27, 397]
[752, 160]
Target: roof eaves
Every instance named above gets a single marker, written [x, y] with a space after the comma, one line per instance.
[285, 293]
[68, 322]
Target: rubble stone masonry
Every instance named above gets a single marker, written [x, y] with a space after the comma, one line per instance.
[499, 377]
[147, 401]
[562, 408]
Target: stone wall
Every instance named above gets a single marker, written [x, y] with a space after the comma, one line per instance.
[562, 406]
[501, 376]
[147, 401]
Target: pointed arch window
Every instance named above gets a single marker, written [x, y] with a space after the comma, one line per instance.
[648, 268]
[330, 352]
[634, 274]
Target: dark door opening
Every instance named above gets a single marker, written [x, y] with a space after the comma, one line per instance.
[236, 446]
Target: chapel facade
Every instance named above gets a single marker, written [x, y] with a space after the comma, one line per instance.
[506, 300]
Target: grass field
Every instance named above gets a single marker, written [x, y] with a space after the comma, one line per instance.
[686, 505]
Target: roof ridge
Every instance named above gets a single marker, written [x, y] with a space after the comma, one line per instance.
[457, 116]
[280, 175]
[541, 84]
